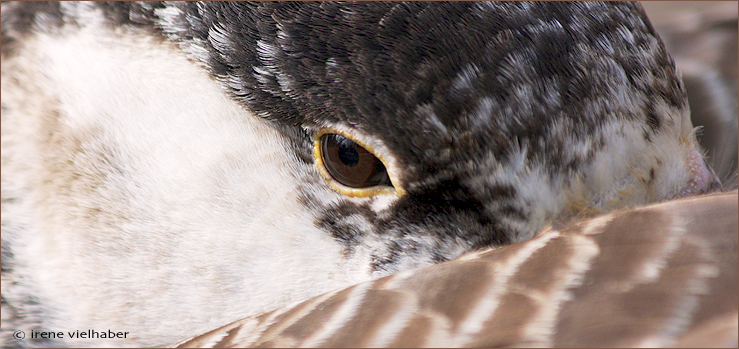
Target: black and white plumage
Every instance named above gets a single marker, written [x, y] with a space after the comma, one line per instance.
[161, 176]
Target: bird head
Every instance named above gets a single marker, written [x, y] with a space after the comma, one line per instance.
[441, 128]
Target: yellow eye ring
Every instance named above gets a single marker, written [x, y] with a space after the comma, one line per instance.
[320, 158]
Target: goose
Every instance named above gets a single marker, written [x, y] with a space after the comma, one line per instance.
[169, 168]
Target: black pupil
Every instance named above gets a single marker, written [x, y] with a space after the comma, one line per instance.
[350, 164]
[348, 152]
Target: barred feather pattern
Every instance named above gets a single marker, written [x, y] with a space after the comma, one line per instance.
[660, 275]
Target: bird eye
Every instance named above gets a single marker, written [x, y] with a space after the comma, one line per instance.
[350, 164]
[349, 167]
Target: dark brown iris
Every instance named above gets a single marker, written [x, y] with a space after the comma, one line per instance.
[350, 164]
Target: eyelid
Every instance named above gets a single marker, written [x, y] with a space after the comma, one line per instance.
[353, 192]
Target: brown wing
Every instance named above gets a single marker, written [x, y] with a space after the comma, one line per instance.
[661, 275]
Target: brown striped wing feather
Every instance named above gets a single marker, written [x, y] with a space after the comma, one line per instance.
[661, 275]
